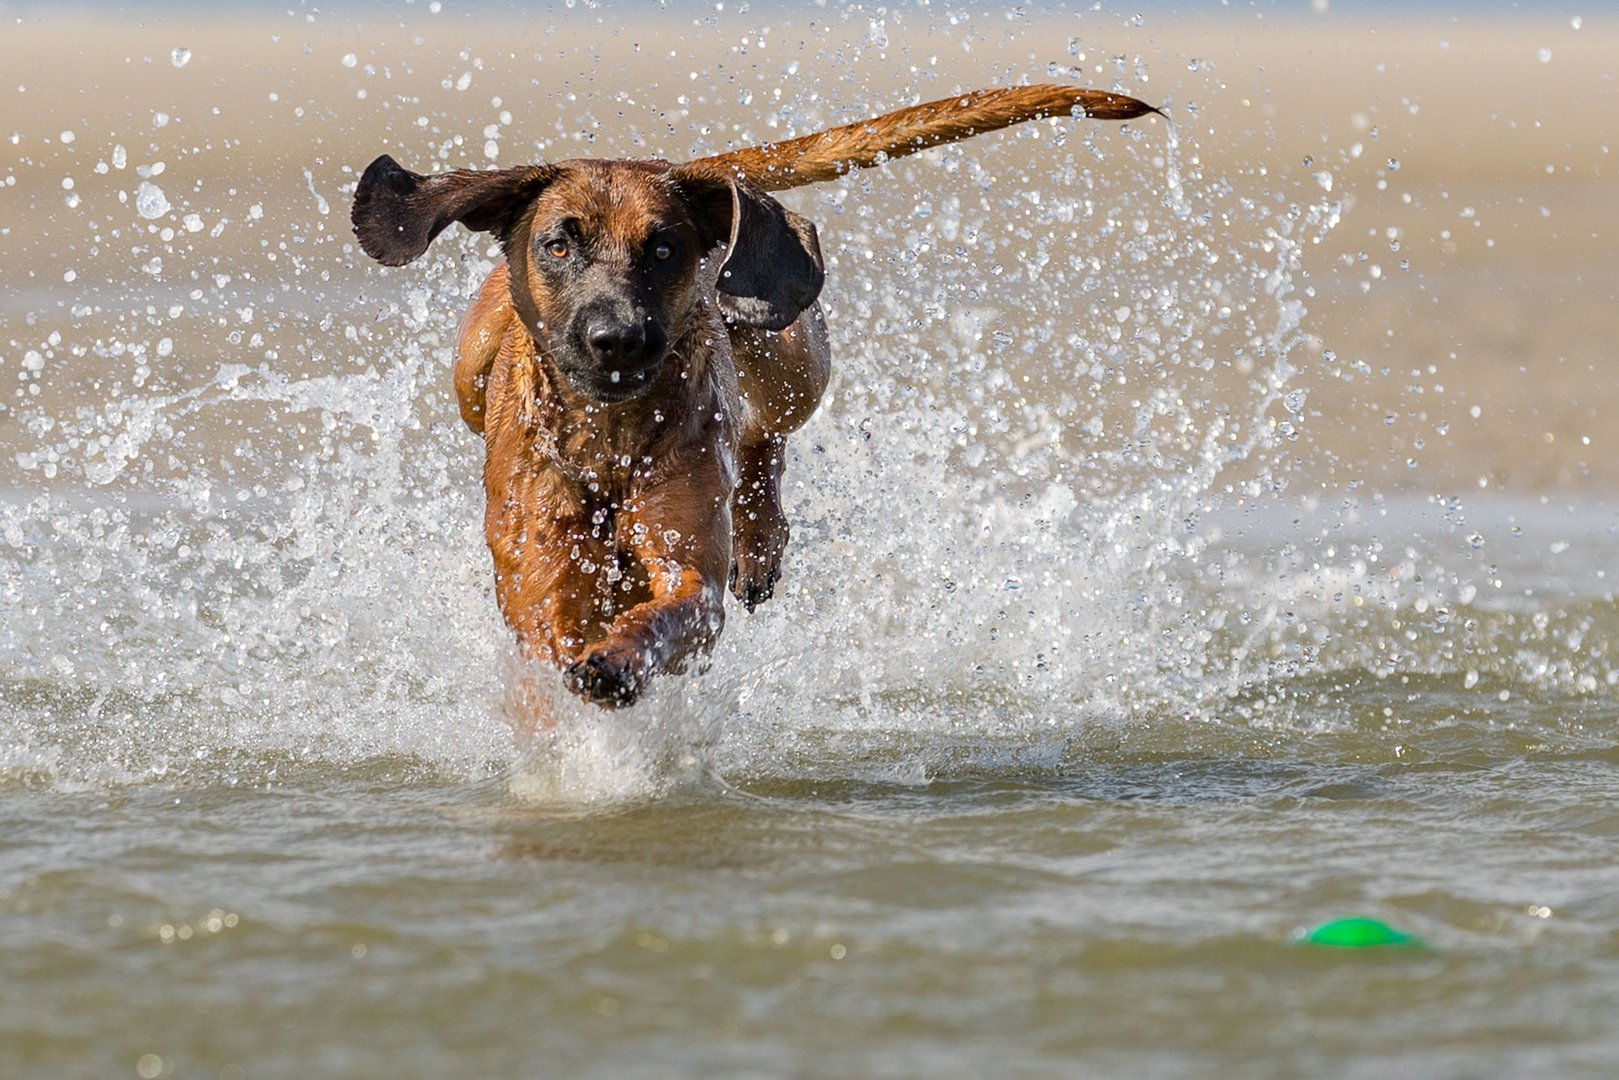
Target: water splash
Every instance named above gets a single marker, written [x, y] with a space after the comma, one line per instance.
[150, 202]
[322, 207]
[1071, 362]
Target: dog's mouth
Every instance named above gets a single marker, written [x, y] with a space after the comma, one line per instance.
[612, 386]
[610, 361]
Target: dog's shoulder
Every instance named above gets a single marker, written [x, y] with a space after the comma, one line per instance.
[488, 320]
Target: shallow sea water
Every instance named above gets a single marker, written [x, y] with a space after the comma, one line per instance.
[1036, 904]
[1163, 582]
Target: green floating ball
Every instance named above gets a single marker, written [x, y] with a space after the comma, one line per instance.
[1358, 934]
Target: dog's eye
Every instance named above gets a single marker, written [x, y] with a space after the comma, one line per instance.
[662, 250]
[558, 248]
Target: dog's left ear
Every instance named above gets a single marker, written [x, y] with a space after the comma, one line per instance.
[773, 268]
[397, 212]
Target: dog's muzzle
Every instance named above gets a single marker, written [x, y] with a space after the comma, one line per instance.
[621, 359]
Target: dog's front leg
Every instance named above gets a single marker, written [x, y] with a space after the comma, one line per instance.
[681, 533]
[550, 561]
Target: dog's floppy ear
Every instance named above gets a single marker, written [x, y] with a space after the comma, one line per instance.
[397, 212]
[773, 268]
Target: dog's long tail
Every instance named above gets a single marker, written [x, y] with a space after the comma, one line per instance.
[829, 154]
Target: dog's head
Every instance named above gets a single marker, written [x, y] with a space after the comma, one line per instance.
[605, 256]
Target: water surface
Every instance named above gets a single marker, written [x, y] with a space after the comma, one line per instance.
[1208, 534]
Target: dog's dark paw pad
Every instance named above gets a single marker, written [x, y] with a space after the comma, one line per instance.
[757, 592]
[602, 680]
[754, 589]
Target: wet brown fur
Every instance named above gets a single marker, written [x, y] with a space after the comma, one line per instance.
[826, 155]
[615, 525]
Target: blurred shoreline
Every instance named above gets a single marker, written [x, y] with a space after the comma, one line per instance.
[1472, 277]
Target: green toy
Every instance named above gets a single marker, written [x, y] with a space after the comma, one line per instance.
[1357, 934]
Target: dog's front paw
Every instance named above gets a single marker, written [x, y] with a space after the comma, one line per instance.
[757, 543]
[753, 583]
[604, 679]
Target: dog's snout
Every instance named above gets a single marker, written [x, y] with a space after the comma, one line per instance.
[620, 345]
[617, 357]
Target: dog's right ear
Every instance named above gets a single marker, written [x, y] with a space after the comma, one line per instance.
[397, 212]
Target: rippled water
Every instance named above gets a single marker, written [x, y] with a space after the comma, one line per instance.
[1133, 622]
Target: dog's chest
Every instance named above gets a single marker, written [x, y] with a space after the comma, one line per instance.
[611, 453]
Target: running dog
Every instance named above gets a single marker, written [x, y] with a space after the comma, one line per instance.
[636, 365]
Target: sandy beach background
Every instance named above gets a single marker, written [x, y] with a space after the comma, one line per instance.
[1466, 300]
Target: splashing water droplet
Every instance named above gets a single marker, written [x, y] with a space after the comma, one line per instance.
[150, 202]
[320, 200]
[180, 56]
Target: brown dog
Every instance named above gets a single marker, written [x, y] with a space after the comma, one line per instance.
[634, 393]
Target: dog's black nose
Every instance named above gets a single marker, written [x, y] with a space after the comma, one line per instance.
[619, 345]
